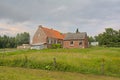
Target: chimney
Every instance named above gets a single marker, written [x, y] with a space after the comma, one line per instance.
[40, 26]
[77, 30]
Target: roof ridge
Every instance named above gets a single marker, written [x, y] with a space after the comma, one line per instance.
[50, 29]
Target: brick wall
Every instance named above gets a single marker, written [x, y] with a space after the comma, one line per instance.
[76, 44]
[86, 42]
[39, 37]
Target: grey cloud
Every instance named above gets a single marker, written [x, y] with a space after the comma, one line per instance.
[41, 9]
[79, 13]
[3, 29]
[8, 12]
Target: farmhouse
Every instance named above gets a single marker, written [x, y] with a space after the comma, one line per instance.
[75, 40]
[45, 37]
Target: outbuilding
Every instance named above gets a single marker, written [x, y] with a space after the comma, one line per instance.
[75, 40]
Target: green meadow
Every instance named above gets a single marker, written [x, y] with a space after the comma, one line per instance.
[95, 61]
[16, 73]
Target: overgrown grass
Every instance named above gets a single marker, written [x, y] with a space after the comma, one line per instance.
[9, 73]
[88, 60]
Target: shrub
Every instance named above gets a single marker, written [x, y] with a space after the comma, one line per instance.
[113, 44]
[56, 46]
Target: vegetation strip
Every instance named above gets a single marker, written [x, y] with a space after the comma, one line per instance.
[89, 61]
[9, 73]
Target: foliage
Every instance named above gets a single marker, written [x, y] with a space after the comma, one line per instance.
[7, 42]
[109, 38]
[91, 39]
[72, 60]
[23, 38]
[47, 67]
[112, 44]
[12, 42]
[56, 46]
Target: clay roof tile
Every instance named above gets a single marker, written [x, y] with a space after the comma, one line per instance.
[53, 33]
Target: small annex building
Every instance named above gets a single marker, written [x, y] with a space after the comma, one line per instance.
[75, 40]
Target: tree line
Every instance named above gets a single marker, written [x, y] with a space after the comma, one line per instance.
[109, 38]
[12, 42]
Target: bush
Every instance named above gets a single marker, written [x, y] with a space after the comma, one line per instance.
[56, 46]
[113, 44]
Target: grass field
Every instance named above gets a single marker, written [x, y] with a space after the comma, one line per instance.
[87, 61]
[10, 73]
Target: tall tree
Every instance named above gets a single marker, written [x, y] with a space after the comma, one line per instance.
[23, 38]
[109, 38]
[11, 42]
[7, 42]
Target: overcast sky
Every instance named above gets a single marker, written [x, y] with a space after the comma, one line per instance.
[91, 16]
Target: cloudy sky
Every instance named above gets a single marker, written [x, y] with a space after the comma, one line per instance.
[90, 16]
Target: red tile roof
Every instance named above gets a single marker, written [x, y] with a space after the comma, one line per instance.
[53, 33]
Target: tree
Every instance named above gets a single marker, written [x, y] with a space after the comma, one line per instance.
[91, 39]
[23, 38]
[11, 42]
[7, 42]
[110, 38]
[119, 36]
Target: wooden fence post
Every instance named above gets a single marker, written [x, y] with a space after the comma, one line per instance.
[26, 60]
[54, 62]
[102, 66]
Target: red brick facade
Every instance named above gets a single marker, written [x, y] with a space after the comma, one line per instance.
[76, 44]
[39, 36]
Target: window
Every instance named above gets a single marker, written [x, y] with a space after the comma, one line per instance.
[56, 42]
[80, 43]
[71, 42]
[49, 41]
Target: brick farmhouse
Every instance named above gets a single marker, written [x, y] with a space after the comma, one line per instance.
[45, 37]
